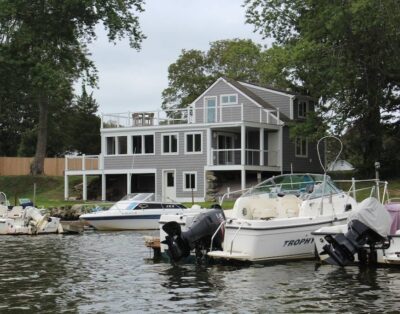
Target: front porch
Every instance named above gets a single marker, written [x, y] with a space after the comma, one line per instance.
[244, 146]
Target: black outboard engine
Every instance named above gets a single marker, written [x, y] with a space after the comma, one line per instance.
[197, 237]
[368, 227]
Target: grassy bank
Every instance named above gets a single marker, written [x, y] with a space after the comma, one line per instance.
[50, 190]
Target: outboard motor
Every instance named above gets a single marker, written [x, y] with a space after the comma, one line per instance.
[367, 227]
[198, 236]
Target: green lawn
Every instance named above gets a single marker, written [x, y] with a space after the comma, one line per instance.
[50, 190]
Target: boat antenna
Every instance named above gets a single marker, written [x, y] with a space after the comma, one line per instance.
[325, 167]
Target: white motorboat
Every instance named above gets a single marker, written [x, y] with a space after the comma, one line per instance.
[371, 237]
[274, 220]
[15, 220]
[138, 211]
[271, 221]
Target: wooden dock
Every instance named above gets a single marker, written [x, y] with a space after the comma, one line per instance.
[153, 243]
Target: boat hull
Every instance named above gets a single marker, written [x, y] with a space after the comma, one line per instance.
[262, 241]
[132, 222]
[10, 226]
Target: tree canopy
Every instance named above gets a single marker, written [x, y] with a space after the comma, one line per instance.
[43, 51]
[195, 70]
[344, 52]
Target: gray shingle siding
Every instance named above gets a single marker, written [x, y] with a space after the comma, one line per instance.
[229, 113]
[181, 162]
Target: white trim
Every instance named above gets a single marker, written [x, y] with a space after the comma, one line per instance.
[118, 146]
[184, 173]
[295, 147]
[185, 142]
[115, 145]
[206, 91]
[253, 101]
[239, 167]
[143, 145]
[205, 108]
[266, 89]
[177, 143]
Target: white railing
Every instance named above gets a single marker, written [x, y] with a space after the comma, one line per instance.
[253, 157]
[226, 156]
[190, 115]
[83, 162]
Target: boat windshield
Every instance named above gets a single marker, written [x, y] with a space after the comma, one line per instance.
[130, 201]
[301, 185]
[140, 197]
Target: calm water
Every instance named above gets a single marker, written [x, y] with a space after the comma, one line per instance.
[112, 273]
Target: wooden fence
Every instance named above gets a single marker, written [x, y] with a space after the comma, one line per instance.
[18, 166]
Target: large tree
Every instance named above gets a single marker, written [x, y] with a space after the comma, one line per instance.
[46, 42]
[346, 53]
[195, 70]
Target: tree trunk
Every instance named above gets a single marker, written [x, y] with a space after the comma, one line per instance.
[372, 134]
[37, 166]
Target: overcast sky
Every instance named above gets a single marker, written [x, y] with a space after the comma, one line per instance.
[131, 80]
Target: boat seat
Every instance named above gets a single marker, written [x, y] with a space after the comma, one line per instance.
[256, 207]
[289, 206]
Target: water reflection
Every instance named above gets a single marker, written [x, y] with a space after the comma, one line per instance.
[110, 272]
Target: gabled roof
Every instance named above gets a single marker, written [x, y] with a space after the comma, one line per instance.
[255, 97]
[272, 89]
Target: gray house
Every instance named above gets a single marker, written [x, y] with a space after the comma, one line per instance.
[233, 132]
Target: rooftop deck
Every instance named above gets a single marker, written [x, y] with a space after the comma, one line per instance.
[190, 115]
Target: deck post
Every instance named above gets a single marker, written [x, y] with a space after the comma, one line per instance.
[128, 183]
[243, 145]
[103, 187]
[261, 147]
[66, 187]
[84, 187]
[243, 180]
[209, 147]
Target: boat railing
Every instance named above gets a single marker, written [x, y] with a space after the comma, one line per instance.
[215, 233]
[377, 185]
[228, 193]
[234, 237]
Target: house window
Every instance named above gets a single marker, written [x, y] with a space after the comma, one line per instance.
[137, 144]
[210, 109]
[143, 144]
[170, 179]
[193, 143]
[229, 99]
[190, 181]
[148, 144]
[170, 143]
[110, 145]
[122, 145]
[302, 109]
[301, 147]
